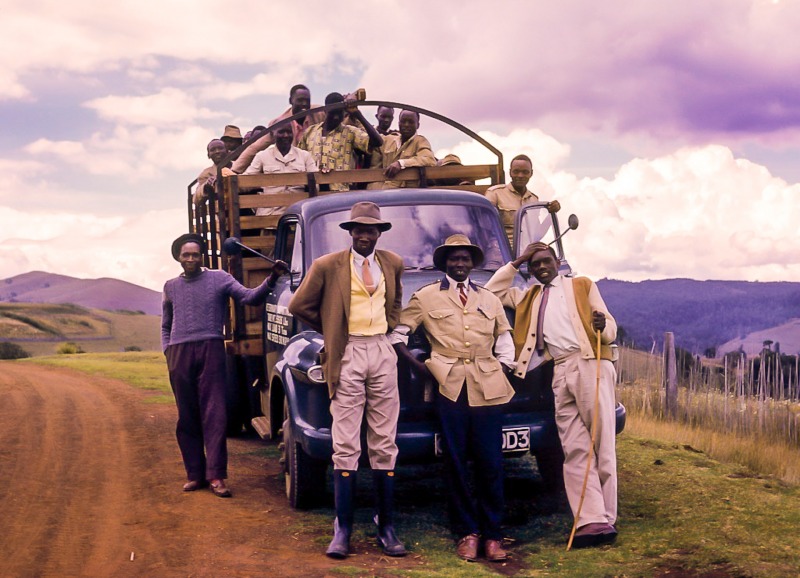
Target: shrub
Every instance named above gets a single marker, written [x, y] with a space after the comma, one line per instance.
[132, 348]
[69, 348]
[10, 350]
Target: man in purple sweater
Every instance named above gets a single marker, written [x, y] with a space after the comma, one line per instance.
[193, 314]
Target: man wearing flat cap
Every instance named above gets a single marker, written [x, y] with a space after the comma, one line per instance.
[192, 317]
[354, 298]
[464, 323]
[559, 320]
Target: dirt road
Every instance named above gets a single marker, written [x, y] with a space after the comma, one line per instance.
[91, 480]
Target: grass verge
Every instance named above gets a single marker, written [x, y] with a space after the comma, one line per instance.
[142, 369]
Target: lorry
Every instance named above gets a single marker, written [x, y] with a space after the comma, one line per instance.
[276, 385]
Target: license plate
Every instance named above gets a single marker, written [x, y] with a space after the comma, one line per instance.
[515, 439]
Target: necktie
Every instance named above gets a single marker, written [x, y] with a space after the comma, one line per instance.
[540, 320]
[462, 294]
[366, 276]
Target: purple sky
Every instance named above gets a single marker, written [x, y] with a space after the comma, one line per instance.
[671, 129]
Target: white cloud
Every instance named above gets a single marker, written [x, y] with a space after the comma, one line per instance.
[168, 107]
[698, 212]
[135, 249]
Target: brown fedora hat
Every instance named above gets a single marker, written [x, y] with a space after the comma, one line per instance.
[366, 213]
[187, 238]
[457, 241]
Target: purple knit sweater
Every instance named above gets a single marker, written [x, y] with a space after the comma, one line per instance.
[194, 309]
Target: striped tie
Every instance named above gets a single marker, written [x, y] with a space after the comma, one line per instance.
[462, 294]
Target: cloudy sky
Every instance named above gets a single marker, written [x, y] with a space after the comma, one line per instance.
[671, 128]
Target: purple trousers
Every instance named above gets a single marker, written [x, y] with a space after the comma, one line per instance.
[197, 376]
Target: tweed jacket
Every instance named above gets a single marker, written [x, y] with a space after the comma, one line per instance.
[322, 301]
[500, 285]
[462, 338]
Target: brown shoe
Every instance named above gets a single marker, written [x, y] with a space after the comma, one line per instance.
[494, 551]
[467, 547]
[594, 534]
[193, 485]
[219, 489]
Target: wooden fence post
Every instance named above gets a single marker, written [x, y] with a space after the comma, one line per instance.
[670, 375]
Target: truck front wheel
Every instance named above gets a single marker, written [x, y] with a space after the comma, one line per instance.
[305, 476]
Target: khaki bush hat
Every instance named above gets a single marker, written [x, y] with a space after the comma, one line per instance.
[232, 131]
[457, 241]
[450, 159]
[366, 213]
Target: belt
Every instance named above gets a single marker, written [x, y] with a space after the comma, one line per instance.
[471, 353]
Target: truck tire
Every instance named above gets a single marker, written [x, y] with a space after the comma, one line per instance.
[304, 475]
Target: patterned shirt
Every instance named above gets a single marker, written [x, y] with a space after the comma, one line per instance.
[334, 151]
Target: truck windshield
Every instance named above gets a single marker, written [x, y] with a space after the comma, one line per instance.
[417, 230]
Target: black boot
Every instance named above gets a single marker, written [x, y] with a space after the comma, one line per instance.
[387, 539]
[344, 483]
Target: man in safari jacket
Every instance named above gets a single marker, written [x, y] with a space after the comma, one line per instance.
[567, 312]
[464, 323]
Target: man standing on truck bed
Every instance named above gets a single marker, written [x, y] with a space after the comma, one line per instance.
[283, 157]
[332, 143]
[558, 319]
[353, 298]
[193, 314]
[406, 149]
[510, 197]
[300, 99]
[463, 323]
[217, 152]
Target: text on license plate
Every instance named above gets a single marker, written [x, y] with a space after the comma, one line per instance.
[515, 439]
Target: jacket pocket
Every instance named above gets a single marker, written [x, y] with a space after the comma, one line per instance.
[440, 366]
[493, 379]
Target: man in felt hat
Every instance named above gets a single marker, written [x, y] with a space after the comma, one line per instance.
[464, 323]
[559, 320]
[192, 317]
[354, 298]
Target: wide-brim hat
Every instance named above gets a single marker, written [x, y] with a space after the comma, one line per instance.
[231, 131]
[366, 213]
[457, 241]
[187, 238]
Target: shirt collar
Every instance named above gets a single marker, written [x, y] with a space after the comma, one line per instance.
[358, 258]
[448, 280]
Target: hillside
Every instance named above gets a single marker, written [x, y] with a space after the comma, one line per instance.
[40, 328]
[702, 314]
[787, 335]
[104, 293]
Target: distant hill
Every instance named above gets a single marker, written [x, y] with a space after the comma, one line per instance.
[701, 314]
[786, 336]
[105, 293]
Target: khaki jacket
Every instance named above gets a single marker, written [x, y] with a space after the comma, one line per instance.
[462, 339]
[500, 285]
[323, 302]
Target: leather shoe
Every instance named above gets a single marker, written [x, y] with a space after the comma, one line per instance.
[467, 548]
[193, 485]
[594, 534]
[494, 551]
[219, 489]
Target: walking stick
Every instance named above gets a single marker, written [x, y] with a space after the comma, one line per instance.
[591, 444]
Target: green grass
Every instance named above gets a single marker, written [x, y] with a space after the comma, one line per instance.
[142, 369]
[682, 513]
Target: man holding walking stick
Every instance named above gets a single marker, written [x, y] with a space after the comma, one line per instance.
[560, 320]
